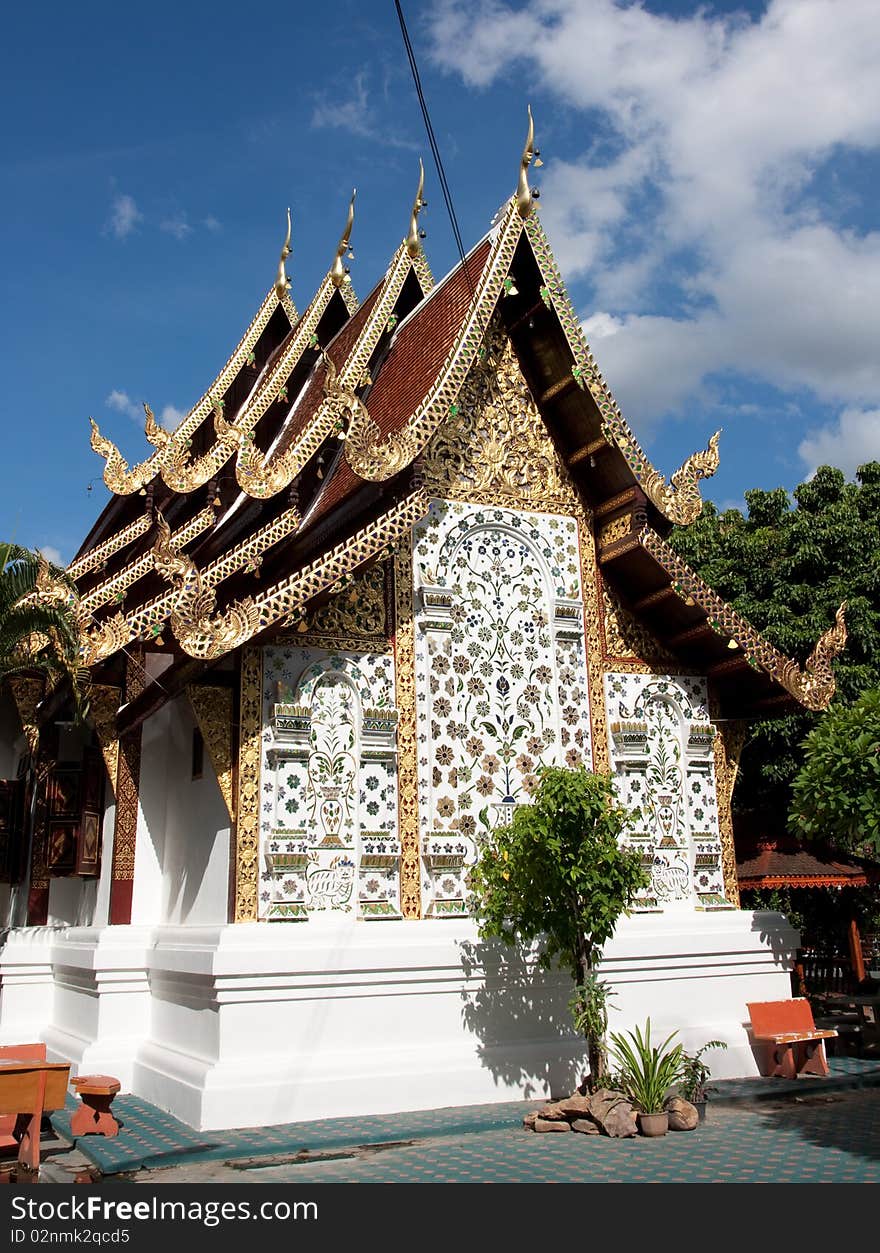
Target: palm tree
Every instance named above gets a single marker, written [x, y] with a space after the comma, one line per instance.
[39, 631]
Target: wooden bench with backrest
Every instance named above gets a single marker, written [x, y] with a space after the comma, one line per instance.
[793, 1045]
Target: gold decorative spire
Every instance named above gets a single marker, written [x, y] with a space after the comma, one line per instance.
[524, 196]
[337, 270]
[282, 282]
[153, 431]
[413, 241]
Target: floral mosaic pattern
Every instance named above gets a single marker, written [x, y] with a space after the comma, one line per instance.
[329, 785]
[501, 684]
[661, 746]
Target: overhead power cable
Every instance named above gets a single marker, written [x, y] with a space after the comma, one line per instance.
[432, 140]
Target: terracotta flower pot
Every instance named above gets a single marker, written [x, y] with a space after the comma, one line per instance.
[654, 1124]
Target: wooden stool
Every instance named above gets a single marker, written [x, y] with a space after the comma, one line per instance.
[93, 1117]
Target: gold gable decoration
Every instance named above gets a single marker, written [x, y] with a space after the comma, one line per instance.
[497, 449]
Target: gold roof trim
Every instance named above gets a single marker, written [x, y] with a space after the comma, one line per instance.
[376, 457]
[127, 577]
[123, 480]
[96, 556]
[206, 634]
[680, 500]
[106, 637]
[813, 685]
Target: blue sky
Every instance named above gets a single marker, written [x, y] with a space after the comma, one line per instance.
[710, 187]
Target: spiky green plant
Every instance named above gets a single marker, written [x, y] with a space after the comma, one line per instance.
[36, 637]
[647, 1072]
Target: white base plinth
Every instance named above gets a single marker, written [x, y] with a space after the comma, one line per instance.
[260, 1024]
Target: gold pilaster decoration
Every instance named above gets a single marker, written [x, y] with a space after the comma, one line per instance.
[282, 282]
[212, 707]
[684, 508]
[728, 745]
[813, 685]
[104, 702]
[96, 556]
[128, 781]
[524, 196]
[338, 272]
[247, 830]
[407, 738]
[593, 645]
[27, 694]
[498, 451]
[413, 241]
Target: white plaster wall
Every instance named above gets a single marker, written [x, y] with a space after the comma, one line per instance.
[182, 853]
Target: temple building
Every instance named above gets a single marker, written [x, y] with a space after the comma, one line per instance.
[403, 553]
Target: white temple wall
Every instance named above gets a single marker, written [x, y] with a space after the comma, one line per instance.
[501, 682]
[182, 852]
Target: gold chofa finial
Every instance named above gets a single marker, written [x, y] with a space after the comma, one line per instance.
[413, 241]
[337, 270]
[282, 282]
[524, 197]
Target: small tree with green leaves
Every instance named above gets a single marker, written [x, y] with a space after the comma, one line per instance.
[559, 873]
[837, 792]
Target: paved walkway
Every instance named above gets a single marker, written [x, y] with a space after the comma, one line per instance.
[756, 1131]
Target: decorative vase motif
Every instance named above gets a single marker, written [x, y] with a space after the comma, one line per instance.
[654, 1124]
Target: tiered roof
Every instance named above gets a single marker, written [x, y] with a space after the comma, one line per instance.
[301, 464]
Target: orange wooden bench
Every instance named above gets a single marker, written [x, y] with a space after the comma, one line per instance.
[96, 1093]
[35, 1052]
[30, 1087]
[794, 1046]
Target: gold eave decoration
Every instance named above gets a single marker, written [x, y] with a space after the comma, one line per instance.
[170, 447]
[204, 633]
[96, 556]
[525, 200]
[338, 272]
[282, 282]
[812, 685]
[106, 637]
[377, 458]
[679, 500]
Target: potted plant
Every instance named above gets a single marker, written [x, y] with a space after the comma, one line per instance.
[692, 1084]
[647, 1073]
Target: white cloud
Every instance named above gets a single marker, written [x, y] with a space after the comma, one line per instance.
[212, 223]
[51, 554]
[719, 128]
[847, 443]
[177, 225]
[168, 417]
[355, 115]
[124, 217]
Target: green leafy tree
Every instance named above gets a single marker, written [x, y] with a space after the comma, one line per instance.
[559, 873]
[36, 637]
[786, 566]
[836, 795]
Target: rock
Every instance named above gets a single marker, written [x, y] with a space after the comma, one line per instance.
[586, 1127]
[529, 1119]
[613, 1113]
[547, 1124]
[682, 1115]
[575, 1106]
[553, 1112]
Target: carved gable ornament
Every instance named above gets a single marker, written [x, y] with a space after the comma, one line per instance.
[496, 448]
